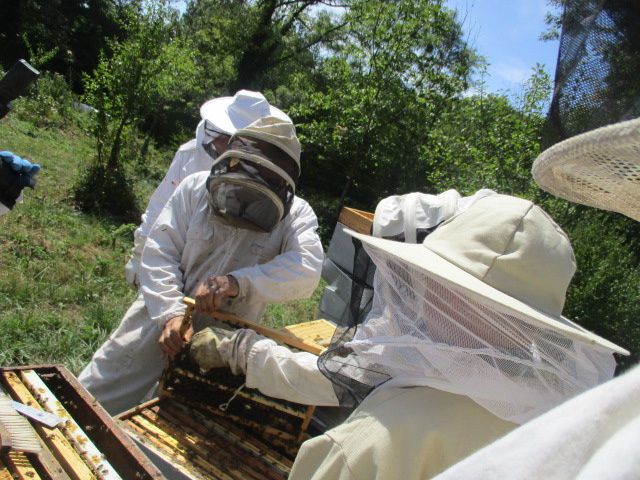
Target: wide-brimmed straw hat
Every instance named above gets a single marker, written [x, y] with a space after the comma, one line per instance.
[229, 114]
[599, 168]
[505, 252]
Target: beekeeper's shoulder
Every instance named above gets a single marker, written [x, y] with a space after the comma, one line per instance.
[190, 145]
[300, 208]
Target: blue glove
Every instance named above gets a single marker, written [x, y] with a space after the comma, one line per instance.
[24, 169]
[15, 174]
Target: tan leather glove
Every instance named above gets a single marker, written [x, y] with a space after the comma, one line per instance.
[216, 347]
[204, 348]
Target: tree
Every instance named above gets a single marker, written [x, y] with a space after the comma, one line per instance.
[148, 73]
[257, 45]
[488, 141]
[71, 32]
[383, 84]
[281, 30]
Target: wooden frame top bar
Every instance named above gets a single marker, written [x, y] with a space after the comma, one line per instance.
[357, 220]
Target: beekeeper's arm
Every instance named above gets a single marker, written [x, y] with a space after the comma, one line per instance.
[161, 279]
[270, 368]
[293, 274]
[157, 202]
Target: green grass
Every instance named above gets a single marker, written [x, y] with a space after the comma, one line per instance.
[62, 287]
[283, 314]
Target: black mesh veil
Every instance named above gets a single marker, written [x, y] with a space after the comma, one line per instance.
[597, 80]
[335, 363]
[338, 363]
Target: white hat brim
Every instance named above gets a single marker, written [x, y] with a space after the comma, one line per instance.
[438, 267]
[599, 168]
[216, 111]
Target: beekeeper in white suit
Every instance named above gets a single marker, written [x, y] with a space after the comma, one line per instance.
[221, 118]
[239, 229]
[594, 435]
[465, 340]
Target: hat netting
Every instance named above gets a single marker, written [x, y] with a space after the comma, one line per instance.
[423, 332]
[596, 81]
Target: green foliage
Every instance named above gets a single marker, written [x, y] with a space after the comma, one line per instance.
[484, 141]
[132, 89]
[38, 56]
[63, 36]
[105, 190]
[146, 71]
[386, 82]
[258, 44]
[49, 103]
[61, 284]
[295, 311]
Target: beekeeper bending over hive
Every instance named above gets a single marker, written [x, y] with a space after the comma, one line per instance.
[221, 118]
[238, 235]
[465, 340]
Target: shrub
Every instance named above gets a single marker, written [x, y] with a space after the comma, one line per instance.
[48, 102]
[111, 192]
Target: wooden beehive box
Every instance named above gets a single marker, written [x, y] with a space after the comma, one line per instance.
[318, 332]
[208, 427]
[88, 445]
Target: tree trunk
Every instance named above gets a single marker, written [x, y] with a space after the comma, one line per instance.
[260, 49]
[114, 155]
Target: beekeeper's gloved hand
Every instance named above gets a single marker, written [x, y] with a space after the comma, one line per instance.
[15, 174]
[21, 166]
[217, 347]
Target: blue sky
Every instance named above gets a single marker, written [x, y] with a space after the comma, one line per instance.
[506, 33]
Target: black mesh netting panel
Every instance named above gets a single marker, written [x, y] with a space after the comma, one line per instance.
[597, 78]
[335, 363]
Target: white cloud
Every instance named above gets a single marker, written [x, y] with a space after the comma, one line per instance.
[511, 72]
[529, 8]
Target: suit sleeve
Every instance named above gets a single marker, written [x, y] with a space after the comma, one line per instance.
[295, 273]
[161, 276]
[294, 376]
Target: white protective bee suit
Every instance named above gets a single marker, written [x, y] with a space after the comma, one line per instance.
[186, 245]
[225, 114]
[190, 158]
[388, 427]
